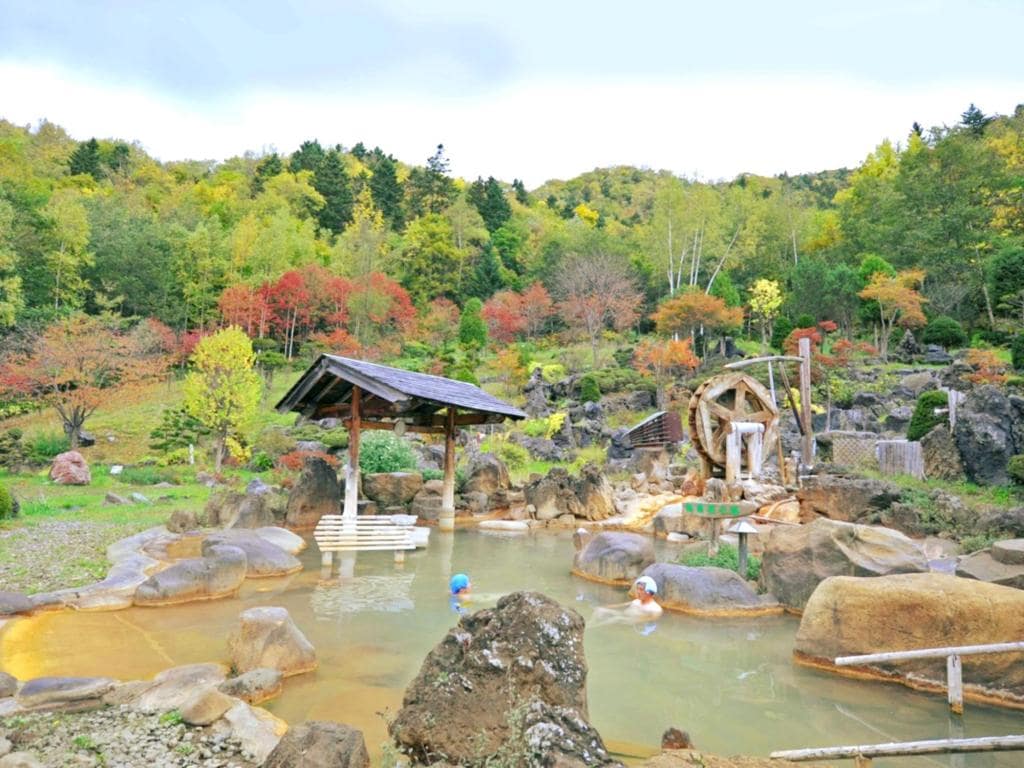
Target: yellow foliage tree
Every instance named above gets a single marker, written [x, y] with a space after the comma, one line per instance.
[898, 302]
[765, 302]
[223, 391]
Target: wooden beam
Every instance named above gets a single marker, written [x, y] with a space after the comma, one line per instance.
[805, 403]
[766, 359]
[931, 747]
[929, 653]
[465, 419]
[390, 425]
[446, 519]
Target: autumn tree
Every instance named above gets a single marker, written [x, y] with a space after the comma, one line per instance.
[511, 370]
[765, 302]
[505, 315]
[694, 313]
[69, 255]
[662, 360]
[538, 307]
[898, 302]
[223, 390]
[595, 292]
[80, 363]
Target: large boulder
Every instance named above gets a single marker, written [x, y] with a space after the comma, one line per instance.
[851, 616]
[391, 489]
[316, 493]
[984, 435]
[487, 474]
[267, 637]
[171, 688]
[426, 505]
[61, 692]
[245, 510]
[798, 558]
[219, 573]
[538, 393]
[708, 591]
[253, 687]
[500, 677]
[69, 468]
[851, 499]
[941, 456]
[13, 603]
[588, 496]
[613, 558]
[262, 557]
[320, 745]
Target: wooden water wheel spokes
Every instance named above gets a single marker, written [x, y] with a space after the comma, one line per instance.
[722, 401]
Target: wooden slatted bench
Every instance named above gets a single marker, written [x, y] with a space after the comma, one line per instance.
[335, 533]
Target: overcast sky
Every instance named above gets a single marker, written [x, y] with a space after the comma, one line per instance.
[526, 89]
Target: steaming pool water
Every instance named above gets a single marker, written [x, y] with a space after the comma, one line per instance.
[730, 682]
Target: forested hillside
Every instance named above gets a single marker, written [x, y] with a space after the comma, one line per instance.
[353, 250]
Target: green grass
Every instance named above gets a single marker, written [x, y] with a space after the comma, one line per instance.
[728, 557]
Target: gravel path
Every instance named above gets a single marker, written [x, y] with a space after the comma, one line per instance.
[118, 738]
[57, 554]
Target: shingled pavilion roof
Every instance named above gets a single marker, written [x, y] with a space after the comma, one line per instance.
[391, 394]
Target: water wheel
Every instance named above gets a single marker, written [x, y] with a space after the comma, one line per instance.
[723, 400]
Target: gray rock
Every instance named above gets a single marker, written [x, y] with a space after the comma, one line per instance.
[984, 435]
[984, 567]
[898, 418]
[13, 603]
[316, 744]
[588, 496]
[936, 355]
[256, 486]
[138, 498]
[392, 488]
[55, 692]
[316, 493]
[941, 456]
[262, 558]
[8, 685]
[538, 394]
[845, 498]
[219, 573]
[1009, 551]
[267, 637]
[182, 521]
[426, 505]
[171, 688]
[916, 383]
[205, 705]
[487, 474]
[113, 499]
[245, 510]
[311, 446]
[798, 558]
[1002, 522]
[20, 760]
[527, 651]
[708, 591]
[618, 558]
[255, 686]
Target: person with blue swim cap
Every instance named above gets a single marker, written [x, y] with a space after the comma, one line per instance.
[459, 584]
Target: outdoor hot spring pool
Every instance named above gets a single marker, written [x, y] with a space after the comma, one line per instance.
[729, 682]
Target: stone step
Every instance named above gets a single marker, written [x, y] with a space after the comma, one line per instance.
[1009, 552]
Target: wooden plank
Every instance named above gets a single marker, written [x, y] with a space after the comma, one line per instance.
[929, 653]
[739, 364]
[369, 549]
[895, 749]
[955, 684]
[805, 403]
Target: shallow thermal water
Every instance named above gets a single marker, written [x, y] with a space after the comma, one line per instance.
[730, 683]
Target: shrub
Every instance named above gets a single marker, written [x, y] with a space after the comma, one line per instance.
[622, 380]
[432, 474]
[552, 372]
[381, 451]
[555, 423]
[944, 331]
[335, 438]
[1015, 467]
[535, 427]
[8, 509]
[177, 429]
[805, 321]
[275, 441]
[925, 418]
[513, 454]
[177, 457]
[590, 390]
[728, 557]
[148, 475]
[1017, 352]
[261, 462]
[45, 445]
[781, 330]
[294, 460]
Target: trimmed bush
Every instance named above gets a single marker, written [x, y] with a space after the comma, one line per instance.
[8, 509]
[780, 331]
[1017, 352]
[805, 321]
[944, 331]
[590, 390]
[925, 418]
[381, 451]
[1015, 468]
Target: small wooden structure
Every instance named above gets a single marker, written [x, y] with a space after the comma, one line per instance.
[371, 396]
[657, 431]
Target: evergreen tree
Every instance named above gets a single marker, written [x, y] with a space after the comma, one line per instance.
[974, 120]
[916, 129]
[386, 191]
[308, 157]
[267, 168]
[332, 182]
[86, 160]
[490, 201]
[430, 189]
[486, 278]
[472, 328]
[359, 151]
[520, 191]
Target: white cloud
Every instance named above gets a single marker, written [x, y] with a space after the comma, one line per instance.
[713, 127]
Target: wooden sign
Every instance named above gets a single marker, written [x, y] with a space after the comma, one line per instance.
[719, 510]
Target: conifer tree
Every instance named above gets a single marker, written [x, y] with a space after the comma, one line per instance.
[86, 160]
[308, 157]
[332, 182]
[386, 191]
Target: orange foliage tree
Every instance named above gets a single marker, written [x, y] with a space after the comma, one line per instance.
[538, 307]
[81, 362]
[694, 313]
[505, 316]
[898, 302]
[988, 368]
[663, 359]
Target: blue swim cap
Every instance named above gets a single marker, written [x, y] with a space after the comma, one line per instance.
[459, 582]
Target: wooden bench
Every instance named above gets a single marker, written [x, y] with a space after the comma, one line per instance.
[335, 533]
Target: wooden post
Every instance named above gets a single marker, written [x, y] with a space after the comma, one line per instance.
[713, 544]
[741, 565]
[859, 761]
[954, 681]
[352, 470]
[805, 403]
[733, 452]
[446, 520]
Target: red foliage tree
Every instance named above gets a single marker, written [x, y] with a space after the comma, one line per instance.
[597, 291]
[664, 359]
[505, 315]
[246, 307]
[538, 307]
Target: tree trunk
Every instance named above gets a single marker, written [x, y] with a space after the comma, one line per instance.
[218, 454]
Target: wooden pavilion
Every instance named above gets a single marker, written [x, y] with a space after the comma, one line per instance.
[371, 396]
